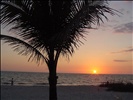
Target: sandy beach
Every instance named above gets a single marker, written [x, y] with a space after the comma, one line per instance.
[64, 93]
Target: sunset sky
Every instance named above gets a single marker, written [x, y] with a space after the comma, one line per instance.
[108, 49]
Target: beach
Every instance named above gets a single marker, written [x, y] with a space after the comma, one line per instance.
[64, 93]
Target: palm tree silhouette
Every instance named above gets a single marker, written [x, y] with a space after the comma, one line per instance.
[46, 29]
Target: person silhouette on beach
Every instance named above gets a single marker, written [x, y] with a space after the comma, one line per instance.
[12, 82]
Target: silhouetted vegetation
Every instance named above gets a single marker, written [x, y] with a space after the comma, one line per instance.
[118, 86]
[46, 29]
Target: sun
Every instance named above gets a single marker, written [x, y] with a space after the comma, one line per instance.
[94, 71]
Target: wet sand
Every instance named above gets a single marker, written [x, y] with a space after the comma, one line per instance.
[64, 93]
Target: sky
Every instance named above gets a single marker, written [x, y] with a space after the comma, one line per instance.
[107, 49]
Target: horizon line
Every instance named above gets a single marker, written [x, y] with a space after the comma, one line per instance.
[68, 72]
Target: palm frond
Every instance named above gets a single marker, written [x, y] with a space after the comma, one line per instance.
[51, 24]
[23, 48]
[82, 15]
[10, 9]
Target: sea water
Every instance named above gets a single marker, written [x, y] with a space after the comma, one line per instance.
[64, 79]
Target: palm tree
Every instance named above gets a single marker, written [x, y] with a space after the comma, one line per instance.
[46, 29]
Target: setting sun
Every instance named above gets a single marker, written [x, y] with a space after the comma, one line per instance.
[94, 71]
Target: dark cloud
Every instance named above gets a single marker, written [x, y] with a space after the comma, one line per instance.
[129, 50]
[124, 28]
[121, 60]
[125, 51]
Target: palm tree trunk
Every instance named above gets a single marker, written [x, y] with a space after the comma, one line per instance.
[52, 81]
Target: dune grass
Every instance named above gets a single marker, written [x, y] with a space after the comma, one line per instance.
[118, 86]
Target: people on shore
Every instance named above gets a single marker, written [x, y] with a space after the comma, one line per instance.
[12, 82]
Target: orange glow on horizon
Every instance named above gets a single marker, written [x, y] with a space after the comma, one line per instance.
[94, 71]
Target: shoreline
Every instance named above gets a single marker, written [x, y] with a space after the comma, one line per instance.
[63, 92]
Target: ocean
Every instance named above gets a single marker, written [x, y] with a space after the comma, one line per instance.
[64, 79]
